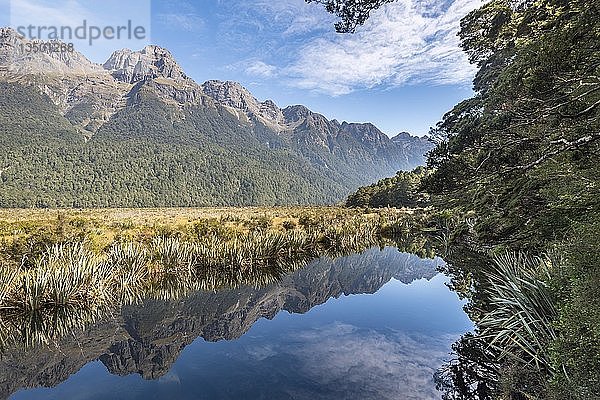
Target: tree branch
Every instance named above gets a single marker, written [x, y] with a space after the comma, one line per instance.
[566, 145]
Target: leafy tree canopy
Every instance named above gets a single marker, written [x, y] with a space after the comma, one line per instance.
[352, 13]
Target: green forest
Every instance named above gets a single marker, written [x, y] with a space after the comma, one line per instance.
[402, 190]
[514, 185]
[146, 156]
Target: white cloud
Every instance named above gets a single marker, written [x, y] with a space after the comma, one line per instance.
[184, 17]
[295, 17]
[77, 13]
[260, 69]
[405, 42]
[38, 13]
[183, 21]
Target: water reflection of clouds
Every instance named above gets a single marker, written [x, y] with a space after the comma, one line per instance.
[340, 359]
[170, 378]
[385, 345]
[261, 352]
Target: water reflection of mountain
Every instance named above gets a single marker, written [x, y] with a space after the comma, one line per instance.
[148, 338]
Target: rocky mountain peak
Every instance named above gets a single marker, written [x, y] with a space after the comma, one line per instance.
[150, 62]
[231, 94]
[9, 36]
[18, 57]
[415, 145]
[366, 132]
[403, 137]
[270, 111]
[235, 96]
[296, 113]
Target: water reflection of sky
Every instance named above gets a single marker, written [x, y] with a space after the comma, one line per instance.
[381, 346]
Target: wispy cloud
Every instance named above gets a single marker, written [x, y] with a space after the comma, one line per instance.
[77, 13]
[185, 16]
[261, 69]
[38, 13]
[406, 42]
[188, 22]
[295, 17]
[268, 30]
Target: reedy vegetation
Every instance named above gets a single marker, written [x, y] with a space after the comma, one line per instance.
[75, 278]
[519, 325]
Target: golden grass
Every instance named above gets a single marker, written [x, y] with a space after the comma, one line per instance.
[102, 227]
[168, 216]
[65, 263]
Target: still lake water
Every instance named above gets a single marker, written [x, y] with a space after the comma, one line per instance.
[370, 326]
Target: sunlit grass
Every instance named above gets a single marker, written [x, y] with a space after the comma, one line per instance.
[41, 281]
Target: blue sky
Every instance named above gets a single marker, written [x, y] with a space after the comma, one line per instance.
[401, 71]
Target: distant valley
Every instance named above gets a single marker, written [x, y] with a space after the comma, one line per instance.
[138, 132]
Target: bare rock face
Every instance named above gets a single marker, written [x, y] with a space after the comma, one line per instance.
[84, 92]
[241, 103]
[296, 113]
[231, 94]
[414, 146]
[270, 110]
[180, 93]
[18, 56]
[150, 62]
[366, 133]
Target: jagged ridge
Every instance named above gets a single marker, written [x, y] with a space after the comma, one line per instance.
[117, 100]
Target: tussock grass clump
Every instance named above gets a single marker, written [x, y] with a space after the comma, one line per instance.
[130, 267]
[8, 278]
[520, 323]
[68, 275]
[171, 256]
[255, 258]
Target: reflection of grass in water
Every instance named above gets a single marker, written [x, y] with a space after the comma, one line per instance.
[71, 286]
[30, 329]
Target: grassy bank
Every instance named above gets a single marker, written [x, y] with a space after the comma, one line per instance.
[57, 263]
[27, 233]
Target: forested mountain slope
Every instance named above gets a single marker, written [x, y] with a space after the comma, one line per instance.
[137, 131]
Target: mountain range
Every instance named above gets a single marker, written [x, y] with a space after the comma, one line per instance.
[137, 131]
